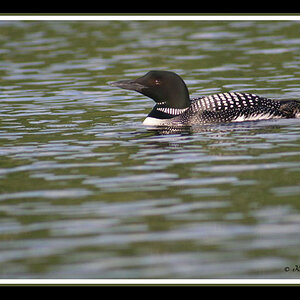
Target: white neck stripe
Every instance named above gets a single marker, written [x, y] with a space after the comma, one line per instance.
[172, 111]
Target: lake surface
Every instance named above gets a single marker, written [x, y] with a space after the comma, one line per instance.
[88, 192]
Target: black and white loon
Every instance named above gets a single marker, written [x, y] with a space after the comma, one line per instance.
[175, 108]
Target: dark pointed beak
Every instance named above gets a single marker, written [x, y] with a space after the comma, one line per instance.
[128, 85]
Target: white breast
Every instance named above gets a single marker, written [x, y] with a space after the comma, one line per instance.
[149, 121]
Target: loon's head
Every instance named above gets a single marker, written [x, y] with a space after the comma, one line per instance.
[166, 88]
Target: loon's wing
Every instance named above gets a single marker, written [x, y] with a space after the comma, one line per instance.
[234, 107]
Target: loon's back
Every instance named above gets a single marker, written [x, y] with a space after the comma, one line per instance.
[232, 107]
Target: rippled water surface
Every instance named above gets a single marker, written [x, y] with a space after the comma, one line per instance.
[88, 192]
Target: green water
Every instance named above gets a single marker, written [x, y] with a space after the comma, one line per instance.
[88, 192]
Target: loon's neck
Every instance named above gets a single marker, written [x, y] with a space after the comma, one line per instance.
[160, 114]
[163, 112]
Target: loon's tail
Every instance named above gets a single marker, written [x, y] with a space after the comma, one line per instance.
[290, 108]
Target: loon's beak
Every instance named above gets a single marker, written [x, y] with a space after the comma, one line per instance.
[128, 85]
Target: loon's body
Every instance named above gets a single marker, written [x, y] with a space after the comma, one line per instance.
[223, 108]
[175, 108]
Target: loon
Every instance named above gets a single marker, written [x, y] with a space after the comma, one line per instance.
[175, 108]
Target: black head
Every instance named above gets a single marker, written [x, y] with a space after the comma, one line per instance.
[164, 87]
